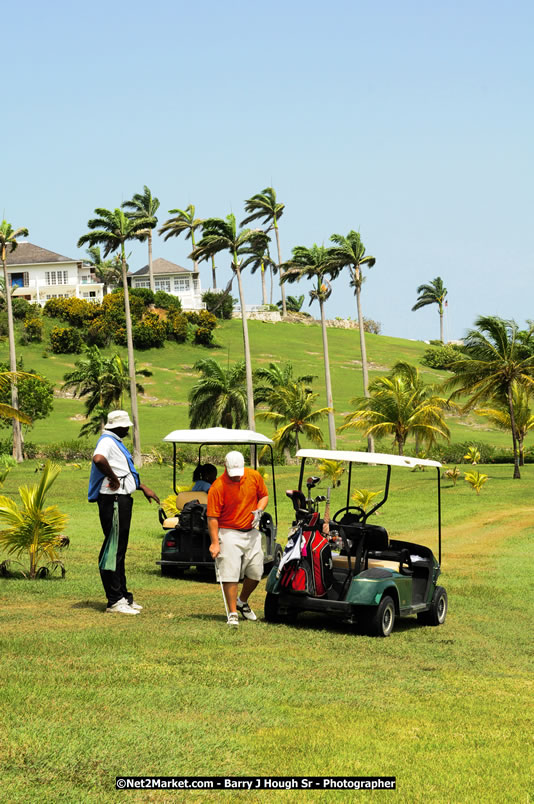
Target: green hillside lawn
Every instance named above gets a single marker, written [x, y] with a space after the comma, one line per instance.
[164, 406]
[87, 696]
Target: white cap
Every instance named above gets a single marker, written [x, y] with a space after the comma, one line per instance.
[235, 464]
[118, 418]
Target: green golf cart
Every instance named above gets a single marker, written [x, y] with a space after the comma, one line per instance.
[370, 578]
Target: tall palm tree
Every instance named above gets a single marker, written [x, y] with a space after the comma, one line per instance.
[219, 398]
[184, 221]
[313, 263]
[399, 406]
[8, 240]
[291, 411]
[143, 207]
[524, 418]
[259, 258]
[107, 271]
[275, 375]
[433, 293]
[264, 206]
[222, 235]
[491, 364]
[112, 229]
[350, 252]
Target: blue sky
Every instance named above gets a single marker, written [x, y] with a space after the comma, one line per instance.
[412, 122]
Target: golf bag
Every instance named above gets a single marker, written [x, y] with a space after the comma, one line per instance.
[193, 518]
[311, 572]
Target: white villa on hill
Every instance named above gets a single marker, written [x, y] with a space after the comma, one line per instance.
[39, 275]
[173, 279]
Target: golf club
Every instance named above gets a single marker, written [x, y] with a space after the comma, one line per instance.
[222, 588]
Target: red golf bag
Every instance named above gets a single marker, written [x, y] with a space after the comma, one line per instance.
[311, 574]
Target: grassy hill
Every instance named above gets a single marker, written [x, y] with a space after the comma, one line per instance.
[164, 405]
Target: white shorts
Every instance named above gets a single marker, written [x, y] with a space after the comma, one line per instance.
[241, 555]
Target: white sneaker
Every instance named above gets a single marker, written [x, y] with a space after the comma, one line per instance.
[136, 606]
[233, 619]
[121, 607]
[245, 610]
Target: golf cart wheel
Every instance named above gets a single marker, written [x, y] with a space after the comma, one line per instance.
[271, 608]
[172, 572]
[382, 621]
[438, 609]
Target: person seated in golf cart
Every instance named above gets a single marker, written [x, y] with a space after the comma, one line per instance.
[203, 476]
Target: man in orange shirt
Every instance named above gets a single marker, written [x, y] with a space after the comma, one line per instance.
[235, 502]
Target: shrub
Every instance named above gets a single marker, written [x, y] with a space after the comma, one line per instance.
[221, 309]
[33, 329]
[167, 301]
[371, 326]
[145, 294]
[193, 317]
[150, 332]
[113, 307]
[440, 357]
[99, 332]
[54, 308]
[65, 340]
[20, 307]
[203, 336]
[177, 327]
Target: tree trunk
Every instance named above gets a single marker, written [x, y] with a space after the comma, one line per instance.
[272, 282]
[363, 351]
[517, 473]
[521, 450]
[213, 275]
[246, 348]
[263, 286]
[17, 437]
[331, 420]
[282, 287]
[131, 365]
[150, 271]
[441, 324]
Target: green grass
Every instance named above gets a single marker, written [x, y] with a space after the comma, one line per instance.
[87, 696]
[164, 406]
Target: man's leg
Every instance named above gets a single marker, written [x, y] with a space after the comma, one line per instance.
[125, 518]
[248, 587]
[230, 593]
[110, 580]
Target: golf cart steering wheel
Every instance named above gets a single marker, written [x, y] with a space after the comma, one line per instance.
[346, 510]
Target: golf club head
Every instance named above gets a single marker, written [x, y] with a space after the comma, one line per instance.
[312, 481]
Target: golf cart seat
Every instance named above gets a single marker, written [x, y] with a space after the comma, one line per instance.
[375, 537]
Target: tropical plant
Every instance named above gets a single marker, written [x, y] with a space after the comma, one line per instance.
[476, 480]
[452, 474]
[184, 222]
[332, 471]
[349, 252]
[219, 398]
[276, 376]
[293, 303]
[222, 235]
[9, 240]
[292, 412]
[36, 396]
[259, 259]
[499, 415]
[314, 263]
[264, 206]
[492, 364]
[32, 528]
[143, 207]
[220, 304]
[433, 293]
[363, 497]
[112, 229]
[106, 271]
[472, 456]
[400, 405]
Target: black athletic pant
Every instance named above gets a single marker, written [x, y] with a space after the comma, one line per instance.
[115, 582]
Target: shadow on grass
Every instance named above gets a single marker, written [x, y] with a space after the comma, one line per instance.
[310, 621]
[89, 604]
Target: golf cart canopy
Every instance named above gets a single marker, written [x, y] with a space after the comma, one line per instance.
[217, 435]
[382, 459]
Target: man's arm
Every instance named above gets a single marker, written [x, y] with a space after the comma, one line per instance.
[149, 494]
[213, 529]
[102, 463]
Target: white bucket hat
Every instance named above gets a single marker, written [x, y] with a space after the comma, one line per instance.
[235, 464]
[118, 418]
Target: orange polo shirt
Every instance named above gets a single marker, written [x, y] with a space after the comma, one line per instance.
[232, 503]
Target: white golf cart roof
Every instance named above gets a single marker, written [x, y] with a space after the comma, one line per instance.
[380, 458]
[217, 435]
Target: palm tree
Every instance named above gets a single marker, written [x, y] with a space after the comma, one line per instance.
[350, 252]
[184, 221]
[313, 263]
[276, 376]
[259, 258]
[398, 405]
[491, 365]
[434, 293]
[293, 303]
[219, 398]
[112, 228]
[8, 240]
[291, 411]
[107, 271]
[143, 207]
[222, 235]
[524, 418]
[264, 206]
